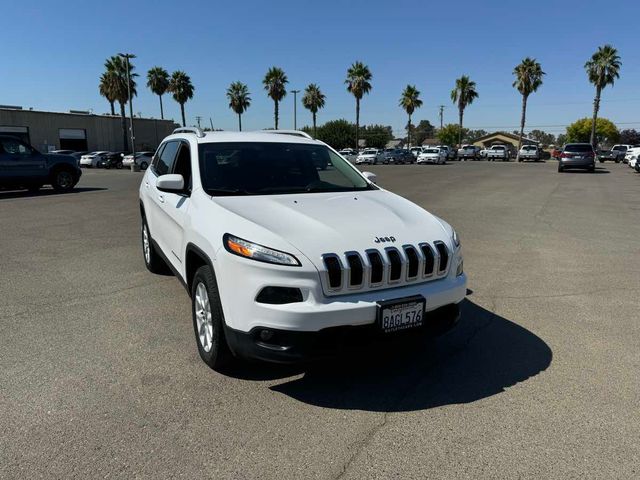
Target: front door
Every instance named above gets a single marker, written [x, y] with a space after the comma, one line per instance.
[19, 163]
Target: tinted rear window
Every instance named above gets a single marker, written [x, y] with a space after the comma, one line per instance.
[620, 149]
[578, 147]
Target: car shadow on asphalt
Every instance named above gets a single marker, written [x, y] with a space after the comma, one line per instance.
[44, 192]
[481, 357]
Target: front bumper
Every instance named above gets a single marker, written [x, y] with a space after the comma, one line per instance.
[285, 346]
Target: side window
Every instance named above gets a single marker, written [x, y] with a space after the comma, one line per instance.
[156, 156]
[183, 164]
[166, 158]
[15, 147]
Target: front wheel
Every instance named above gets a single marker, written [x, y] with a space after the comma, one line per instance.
[208, 320]
[144, 166]
[62, 180]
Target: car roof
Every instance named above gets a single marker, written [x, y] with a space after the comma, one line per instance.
[259, 136]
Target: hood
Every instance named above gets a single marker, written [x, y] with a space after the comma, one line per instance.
[58, 158]
[319, 223]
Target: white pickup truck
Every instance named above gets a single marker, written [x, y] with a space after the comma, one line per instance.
[498, 152]
[529, 152]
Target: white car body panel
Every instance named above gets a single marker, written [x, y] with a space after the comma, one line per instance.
[306, 226]
[91, 160]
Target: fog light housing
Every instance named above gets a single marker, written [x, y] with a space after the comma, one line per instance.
[279, 295]
[266, 335]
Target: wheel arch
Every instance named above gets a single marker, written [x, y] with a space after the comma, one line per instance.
[195, 258]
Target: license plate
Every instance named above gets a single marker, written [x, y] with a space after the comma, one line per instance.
[401, 314]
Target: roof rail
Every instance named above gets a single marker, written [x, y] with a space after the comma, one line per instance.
[199, 133]
[295, 133]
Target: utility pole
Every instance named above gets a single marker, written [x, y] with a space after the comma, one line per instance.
[295, 108]
[198, 118]
[441, 115]
[127, 57]
[211, 122]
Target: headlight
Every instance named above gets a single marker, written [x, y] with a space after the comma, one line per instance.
[456, 239]
[246, 249]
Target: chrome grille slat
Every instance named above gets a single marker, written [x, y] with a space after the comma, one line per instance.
[385, 268]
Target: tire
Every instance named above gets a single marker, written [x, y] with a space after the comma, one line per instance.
[62, 180]
[601, 161]
[208, 320]
[152, 259]
[119, 165]
[560, 169]
[144, 166]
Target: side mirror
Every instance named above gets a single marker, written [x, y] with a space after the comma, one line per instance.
[171, 183]
[372, 177]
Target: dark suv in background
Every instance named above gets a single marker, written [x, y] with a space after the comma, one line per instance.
[22, 166]
[577, 155]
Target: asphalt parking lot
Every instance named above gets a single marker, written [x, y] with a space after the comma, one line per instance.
[100, 376]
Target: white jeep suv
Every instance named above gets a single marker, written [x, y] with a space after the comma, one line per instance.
[286, 248]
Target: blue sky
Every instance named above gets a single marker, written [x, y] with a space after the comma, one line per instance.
[54, 54]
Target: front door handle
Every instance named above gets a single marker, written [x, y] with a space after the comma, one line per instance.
[146, 184]
[161, 198]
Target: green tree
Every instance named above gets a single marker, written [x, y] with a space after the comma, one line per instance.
[313, 100]
[358, 84]
[107, 79]
[580, 131]
[450, 134]
[561, 139]
[275, 83]
[473, 135]
[422, 131]
[528, 79]
[602, 69]
[630, 136]
[337, 133]
[116, 70]
[182, 90]
[543, 137]
[377, 136]
[410, 101]
[158, 83]
[239, 100]
[464, 93]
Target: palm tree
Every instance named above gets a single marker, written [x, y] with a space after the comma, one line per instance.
[158, 83]
[313, 100]
[603, 68]
[182, 89]
[410, 100]
[239, 100]
[358, 83]
[116, 69]
[463, 94]
[275, 82]
[106, 89]
[528, 79]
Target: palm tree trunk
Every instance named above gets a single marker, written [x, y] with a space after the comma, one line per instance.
[161, 110]
[113, 111]
[123, 123]
[596, 107]
[184, 122]
[240, 122]
[409, 132]
[522, 120]
[461, 113]
[357, 121]
[315, 134]
[275, 112]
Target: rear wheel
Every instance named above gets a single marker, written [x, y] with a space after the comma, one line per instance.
[208, 320]
[152, 260]
[144, 165]
[62, 180]
[560, 169]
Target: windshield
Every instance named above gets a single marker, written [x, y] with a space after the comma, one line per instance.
[264, 168]
[431, 150]
[369, 152]
[620, 148]
[529, 148]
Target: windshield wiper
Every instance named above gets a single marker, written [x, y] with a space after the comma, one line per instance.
[220, 192]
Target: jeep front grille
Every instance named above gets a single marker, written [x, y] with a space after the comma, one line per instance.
[387, 268]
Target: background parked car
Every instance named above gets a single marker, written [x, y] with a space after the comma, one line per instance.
[529, 152]
[621, 150]
[397, 156]
[415, 151]
[349, 153]
[368, 156]
[92, 159]
[468, 152]
[498, 152]
[631, 152]
[432, 155]
[577, 155]
[22, 166]
[143, 160]
[604, 155]
[112, 160]
[451, 152]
